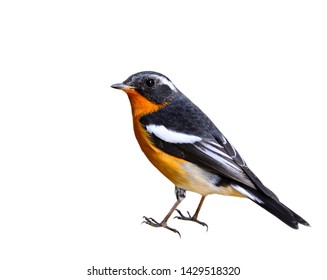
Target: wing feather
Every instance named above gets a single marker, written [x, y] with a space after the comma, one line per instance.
[207, 153]
[232, 152]
[208, 149]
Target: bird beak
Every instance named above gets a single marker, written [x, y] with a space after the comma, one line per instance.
[122, 86]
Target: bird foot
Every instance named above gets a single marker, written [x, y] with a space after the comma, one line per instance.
[152, 222]
[189, 218]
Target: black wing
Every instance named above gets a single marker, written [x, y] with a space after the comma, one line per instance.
[189, 134]
[232, 152]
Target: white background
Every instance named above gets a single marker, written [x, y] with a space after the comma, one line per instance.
[74, 183]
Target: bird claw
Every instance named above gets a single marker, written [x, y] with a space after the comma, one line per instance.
[152, 222]
[189, 218]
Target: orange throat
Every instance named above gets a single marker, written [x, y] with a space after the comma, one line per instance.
[140, 105]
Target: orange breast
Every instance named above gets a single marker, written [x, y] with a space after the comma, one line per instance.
[179, 171]
[168, 165]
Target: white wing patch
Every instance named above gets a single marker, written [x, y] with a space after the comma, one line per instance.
[246, 193]
[172, 136]
[208, 147]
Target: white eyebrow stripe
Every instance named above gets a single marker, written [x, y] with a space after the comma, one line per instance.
[171, 136]
[165, 81]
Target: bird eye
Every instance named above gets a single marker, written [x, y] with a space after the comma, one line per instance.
[149, 82]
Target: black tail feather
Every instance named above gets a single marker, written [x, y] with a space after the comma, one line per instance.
[275, 207]
[298, 218]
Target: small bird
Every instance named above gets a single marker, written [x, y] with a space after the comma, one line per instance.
[187, 148]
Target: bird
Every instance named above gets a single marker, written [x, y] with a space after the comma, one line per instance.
[180, 140]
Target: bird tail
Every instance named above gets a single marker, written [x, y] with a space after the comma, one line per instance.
[272, 205]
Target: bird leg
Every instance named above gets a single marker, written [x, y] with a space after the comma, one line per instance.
[163, 224]
[180, 195]
[193, 218]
